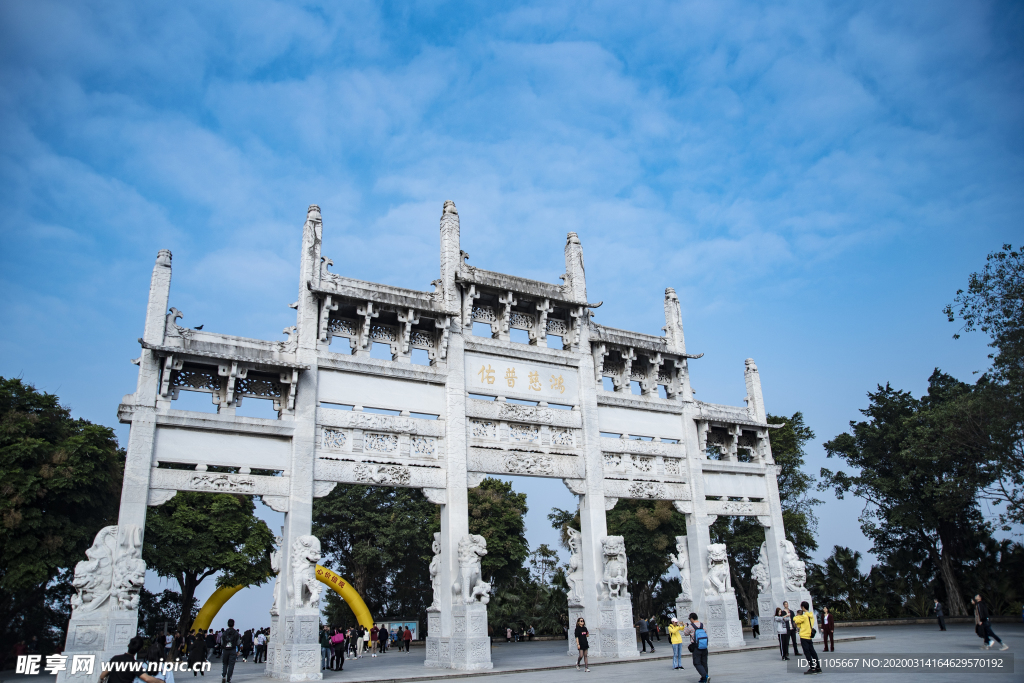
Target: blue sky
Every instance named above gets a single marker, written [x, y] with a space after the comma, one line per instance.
[816, 180]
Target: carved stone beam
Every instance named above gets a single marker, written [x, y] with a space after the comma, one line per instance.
[474, 479]
[233, 372]
[609, 503]
[468, 298]
[407, 320]
[578, 318]
[539, 334]
[622, 382]
[170, 363]
[764, 520]
[683, 506]
[436, 496]
[291, 380]
[444, 324]
[600, 351]
[650, 383]
[508, 300]
[325, 314]
[368, 313]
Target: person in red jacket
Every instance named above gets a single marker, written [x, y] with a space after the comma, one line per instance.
[828, 628]
[407, 638]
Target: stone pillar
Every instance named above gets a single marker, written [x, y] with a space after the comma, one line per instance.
[457, 628]
[605, 618]
[102, 626]
[294, 652]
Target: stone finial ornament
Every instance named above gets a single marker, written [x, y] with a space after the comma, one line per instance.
[575, 576]
[718, 581]
[449, 208]
[613, 579]
[682, 562]
[435, 572]
[304, 588]
[470, 587]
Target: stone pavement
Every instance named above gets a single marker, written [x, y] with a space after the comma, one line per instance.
[546, 662]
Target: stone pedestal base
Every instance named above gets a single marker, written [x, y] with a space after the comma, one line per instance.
[468, 647]
[294, 653]
[723, 621]
[766, 610]
[103, 633]
[575, 613]
[684, 607]
[616, 636]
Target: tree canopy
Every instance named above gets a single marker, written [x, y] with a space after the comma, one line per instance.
[60, 483]
[196, 535]
[994, 304]
[920, 472]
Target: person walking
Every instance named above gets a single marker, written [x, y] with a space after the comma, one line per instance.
[197, 653]
[246, 645]
[982, 617]
[791, 625]
[828, 629]
[407, 638]
[782, 631]
[359, 641]
[675, 639]
[940, 614]
[698, 646]
[582, 645]
[211, 643]
[508, 634]
[654, 629]
[755, 625]
[229, 651]
[261, 647]
[645, 636]
[804, 621]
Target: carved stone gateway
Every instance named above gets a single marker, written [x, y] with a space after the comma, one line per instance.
[483, 405]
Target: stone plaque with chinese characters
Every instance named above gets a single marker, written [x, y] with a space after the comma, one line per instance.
[495, 376]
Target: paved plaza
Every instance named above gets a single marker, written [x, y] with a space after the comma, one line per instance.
[546, 661]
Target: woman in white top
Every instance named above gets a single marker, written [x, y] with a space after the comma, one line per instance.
[782, 631]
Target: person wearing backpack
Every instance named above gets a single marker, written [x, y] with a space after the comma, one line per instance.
[698, 647]
[229, 644]
[804, 621]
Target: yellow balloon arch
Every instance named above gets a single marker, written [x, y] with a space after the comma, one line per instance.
[343, 588]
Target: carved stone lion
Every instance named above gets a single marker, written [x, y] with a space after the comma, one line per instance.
[304, 588]
[760, 572]
[114, 573]
[470, 587]
[718, 581]
[613, 580]
[794, 567]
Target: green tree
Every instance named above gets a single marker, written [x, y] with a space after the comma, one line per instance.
[60, 483]
[378, 538]
[498, 513]
[157, 609]
[994, 303]
[743, 536]
[919, 469]
[196, 535]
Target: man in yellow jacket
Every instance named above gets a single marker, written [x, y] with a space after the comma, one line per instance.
[804, 621]
[675, 637]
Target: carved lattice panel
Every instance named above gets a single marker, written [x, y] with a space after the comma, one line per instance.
[380, 443]
[483, 429]
[484, 314]
[562, 437]
[557, 327]
[334, 439]
[383, 334]
[423, 446]
[259, 387]
[196, 379]
[524, 432]
[521, 321]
